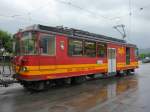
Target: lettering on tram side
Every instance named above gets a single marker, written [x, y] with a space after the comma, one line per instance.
[121, 51]
[99, 61]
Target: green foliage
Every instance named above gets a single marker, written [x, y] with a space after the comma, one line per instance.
[143, 55]
[6, 40]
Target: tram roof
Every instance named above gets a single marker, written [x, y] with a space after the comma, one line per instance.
[77, 33]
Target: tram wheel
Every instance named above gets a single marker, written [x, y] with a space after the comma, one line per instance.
[126, 72]
[35, 86]
[91, 76]
[122, 73]
[78, 80]
[59, 82]
[39, 86]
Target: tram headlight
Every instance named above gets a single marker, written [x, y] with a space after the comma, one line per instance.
[24, 69]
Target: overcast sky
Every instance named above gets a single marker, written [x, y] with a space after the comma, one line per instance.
[98, 16]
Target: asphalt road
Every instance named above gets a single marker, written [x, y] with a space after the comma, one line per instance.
[117, 94]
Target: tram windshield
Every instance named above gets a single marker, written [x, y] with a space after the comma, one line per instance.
[26, 45]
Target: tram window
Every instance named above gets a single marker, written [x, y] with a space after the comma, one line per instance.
[75, 47]
[16, 47]
[28, 42]
[90, 49]
[48, 45]
[101, 50]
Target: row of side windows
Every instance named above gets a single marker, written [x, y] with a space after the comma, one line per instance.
[86, 48]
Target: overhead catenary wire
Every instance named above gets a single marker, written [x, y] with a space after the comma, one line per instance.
[137, 10]
[75, 6]
[97, 15]
[86, 10]
[29, 15]
[146, 6]
[130, 20]
[9, 16]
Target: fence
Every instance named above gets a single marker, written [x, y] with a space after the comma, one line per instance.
[5, 66]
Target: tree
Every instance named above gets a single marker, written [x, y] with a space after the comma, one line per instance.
[6, 41]
[142, 56]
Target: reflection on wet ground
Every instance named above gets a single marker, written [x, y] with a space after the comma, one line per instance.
[117, 94]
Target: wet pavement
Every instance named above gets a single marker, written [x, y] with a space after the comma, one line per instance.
[117, 94]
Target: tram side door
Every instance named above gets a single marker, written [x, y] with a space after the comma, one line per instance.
[128, 56]
[111, 60]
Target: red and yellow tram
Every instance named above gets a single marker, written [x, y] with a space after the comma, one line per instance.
[44, 54]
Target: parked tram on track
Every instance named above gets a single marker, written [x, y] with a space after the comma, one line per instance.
[44, 55]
